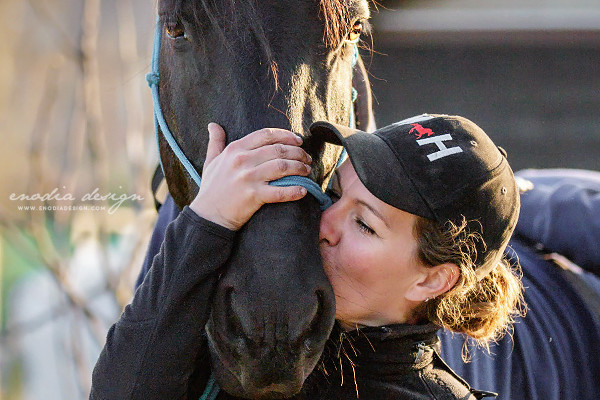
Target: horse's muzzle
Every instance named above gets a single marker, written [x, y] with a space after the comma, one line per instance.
[274, 307]
[267, 365]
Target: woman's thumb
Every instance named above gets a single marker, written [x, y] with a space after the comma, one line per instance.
[216, 142]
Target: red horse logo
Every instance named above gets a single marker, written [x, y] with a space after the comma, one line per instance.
[420, 131]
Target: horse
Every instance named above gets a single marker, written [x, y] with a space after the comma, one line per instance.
[248, 65]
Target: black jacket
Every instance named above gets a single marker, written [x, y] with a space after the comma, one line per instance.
[157, 349]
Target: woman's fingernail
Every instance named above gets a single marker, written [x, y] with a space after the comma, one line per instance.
[307, 167]
[298, 139]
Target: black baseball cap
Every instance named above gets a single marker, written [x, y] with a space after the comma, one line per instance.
[440, 167]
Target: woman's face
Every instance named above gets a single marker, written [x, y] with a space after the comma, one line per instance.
[369, 254]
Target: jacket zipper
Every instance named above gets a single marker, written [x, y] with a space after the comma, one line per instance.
[421, 346]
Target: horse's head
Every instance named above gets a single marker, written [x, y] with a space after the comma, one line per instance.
[248, 65]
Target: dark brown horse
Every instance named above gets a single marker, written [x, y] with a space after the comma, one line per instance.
[250, 64]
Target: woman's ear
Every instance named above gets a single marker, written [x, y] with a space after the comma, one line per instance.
[434, 281]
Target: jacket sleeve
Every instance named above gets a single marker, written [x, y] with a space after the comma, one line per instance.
[562, 212]
[167, 213]
[151, 352]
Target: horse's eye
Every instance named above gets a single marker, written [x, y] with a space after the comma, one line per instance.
[355, 32]
[175, 30]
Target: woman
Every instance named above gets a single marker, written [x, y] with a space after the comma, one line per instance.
[414, 242]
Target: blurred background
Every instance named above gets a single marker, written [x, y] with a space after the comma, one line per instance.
[76, 126]
[526, 71]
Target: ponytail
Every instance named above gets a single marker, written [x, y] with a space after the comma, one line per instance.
[483, 309]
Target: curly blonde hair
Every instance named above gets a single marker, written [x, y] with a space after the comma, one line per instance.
[482, 308]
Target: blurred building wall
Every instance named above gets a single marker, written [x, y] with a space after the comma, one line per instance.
[528, 72]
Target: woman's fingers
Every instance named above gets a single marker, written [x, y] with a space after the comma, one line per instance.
[246, 166]
[273, 152]
[278, 168]
[275, 194]
[267, 136]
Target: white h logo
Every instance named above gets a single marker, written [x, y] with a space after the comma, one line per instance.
[439, 141]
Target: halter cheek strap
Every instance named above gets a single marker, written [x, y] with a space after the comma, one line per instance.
[153, 79]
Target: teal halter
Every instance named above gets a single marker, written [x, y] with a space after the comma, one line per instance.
[153, 78]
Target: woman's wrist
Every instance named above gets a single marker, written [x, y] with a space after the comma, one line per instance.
[211, 214]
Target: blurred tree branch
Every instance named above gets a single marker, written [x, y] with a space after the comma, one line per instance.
[69, 48]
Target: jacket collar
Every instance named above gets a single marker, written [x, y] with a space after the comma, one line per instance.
[381, 350]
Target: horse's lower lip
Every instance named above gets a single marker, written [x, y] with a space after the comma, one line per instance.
[277, 388]
[272, 391]
[277, 391]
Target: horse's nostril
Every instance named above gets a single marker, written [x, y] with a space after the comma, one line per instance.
[315, 330]
[234, 325]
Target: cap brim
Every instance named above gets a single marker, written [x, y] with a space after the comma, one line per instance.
[376, 165]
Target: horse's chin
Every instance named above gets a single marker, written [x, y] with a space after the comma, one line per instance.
[248, 378]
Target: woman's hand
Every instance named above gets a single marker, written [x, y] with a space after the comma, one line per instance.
[235, 179]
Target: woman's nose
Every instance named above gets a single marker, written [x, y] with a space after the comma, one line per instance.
[329, 231]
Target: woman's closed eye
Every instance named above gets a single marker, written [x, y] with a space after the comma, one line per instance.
[364, 227]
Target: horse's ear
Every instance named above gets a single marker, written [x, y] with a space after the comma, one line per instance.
[326, 156]
[314, 146]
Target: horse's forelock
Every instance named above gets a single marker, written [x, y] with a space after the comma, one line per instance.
[335, 15]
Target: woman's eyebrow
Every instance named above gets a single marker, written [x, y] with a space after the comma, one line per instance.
[374, 211]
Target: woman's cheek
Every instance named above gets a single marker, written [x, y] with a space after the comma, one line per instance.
[360, 269]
